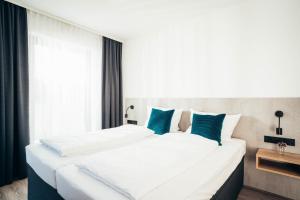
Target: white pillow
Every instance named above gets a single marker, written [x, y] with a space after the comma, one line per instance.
[229, 123]
[189, 130]
[175, 118]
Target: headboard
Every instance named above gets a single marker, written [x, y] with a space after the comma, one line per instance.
[184, 122]
[257, 120]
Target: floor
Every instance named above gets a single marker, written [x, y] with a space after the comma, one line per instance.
[18, 191]
[252, 194]
[15, 191]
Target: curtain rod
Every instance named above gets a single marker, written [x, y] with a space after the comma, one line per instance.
[62, 20]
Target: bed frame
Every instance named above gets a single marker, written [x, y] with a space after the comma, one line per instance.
[233, 185]
[39, 189]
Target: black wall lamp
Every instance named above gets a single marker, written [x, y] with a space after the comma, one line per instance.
[280, 141]
[279, 114]
[131, 107]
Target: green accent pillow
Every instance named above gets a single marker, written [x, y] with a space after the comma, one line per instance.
[160, 121]
[208, 126]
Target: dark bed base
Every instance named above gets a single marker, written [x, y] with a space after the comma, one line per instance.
[233, 185]
[40, 190]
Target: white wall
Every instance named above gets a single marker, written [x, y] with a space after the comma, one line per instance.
[247, 49]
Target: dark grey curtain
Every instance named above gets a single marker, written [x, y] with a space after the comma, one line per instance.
[112, 98]
[13, 92]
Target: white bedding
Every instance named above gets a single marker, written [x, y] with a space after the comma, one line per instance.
[44, 161]
[95, 141]
[199, 182]
[136, 170]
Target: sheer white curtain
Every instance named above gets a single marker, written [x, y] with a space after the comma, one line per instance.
[65, 78]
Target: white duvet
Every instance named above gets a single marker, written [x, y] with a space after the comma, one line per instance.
[138, 169]
[96, 141]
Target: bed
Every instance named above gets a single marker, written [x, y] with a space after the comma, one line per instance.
[68, 182]
[72, 184]
[227, 176]
[44, 161]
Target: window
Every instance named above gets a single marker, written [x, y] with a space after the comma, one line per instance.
[65, 78]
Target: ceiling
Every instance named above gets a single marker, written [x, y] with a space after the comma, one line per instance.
[122, 19]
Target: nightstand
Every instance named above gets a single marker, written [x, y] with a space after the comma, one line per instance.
[287, 164]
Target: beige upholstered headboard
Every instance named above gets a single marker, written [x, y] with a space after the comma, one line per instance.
[257, 120]
[184, 122]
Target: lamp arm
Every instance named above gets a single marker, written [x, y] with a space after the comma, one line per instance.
[127, 109]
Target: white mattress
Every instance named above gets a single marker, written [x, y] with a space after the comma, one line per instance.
[44, 161]
[74, 184]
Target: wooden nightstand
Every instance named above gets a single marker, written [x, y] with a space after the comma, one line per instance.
[287, 164]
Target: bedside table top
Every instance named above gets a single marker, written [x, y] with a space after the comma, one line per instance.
[276, 156]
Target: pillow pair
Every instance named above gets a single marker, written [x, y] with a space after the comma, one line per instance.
[213, 126]
[163, 120]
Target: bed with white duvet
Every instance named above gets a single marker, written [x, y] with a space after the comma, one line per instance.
[172, 166]
[53, 153]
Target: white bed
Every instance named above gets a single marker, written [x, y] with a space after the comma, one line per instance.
[190, 184]
[45, 161]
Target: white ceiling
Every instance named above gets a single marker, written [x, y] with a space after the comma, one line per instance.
[122, 19]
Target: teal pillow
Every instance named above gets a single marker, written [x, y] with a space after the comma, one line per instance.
[208, 126]
[160, 121]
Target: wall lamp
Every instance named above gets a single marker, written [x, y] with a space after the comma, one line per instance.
[279, 114]
[131, 107]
